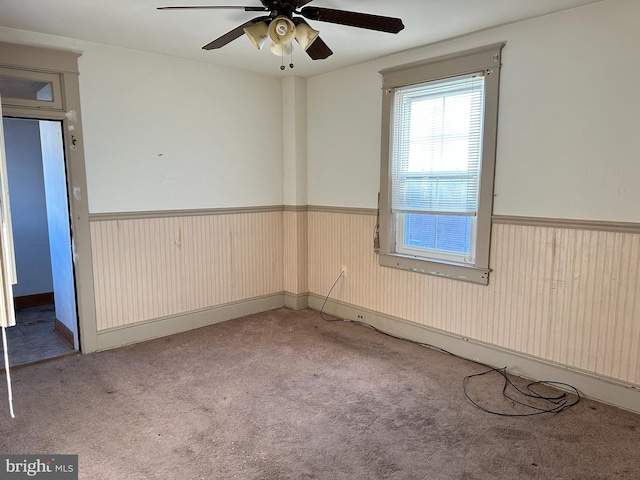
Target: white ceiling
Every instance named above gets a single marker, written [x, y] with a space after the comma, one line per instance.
[138, 25]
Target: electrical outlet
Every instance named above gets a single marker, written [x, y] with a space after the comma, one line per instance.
[344, 270]
[360, 317]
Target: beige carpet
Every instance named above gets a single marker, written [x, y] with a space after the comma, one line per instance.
[285, 395]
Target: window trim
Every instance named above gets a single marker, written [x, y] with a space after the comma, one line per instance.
[485, 59]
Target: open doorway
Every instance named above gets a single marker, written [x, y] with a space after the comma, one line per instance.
[42, 84]
[45, 297]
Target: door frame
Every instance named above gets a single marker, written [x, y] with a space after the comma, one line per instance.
[63, 65]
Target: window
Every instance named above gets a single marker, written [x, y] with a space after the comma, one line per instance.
[438, 156]
[30, 89]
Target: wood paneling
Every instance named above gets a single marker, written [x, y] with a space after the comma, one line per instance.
[561, 294]
[295, 251]
[156, 267]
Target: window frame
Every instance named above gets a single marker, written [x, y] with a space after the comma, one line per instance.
[487, 60]
[52, 79]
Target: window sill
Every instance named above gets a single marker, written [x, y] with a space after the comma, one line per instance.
[454, 271]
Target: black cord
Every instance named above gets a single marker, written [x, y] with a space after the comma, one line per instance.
[327, 298]
[560, 402]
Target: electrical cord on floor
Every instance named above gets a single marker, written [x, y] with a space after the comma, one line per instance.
[560, 402]
[327, 298]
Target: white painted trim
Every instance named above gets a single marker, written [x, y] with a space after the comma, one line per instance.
[591, 385]
[161, 327]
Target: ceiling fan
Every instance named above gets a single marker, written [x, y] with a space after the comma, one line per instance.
[284, 21]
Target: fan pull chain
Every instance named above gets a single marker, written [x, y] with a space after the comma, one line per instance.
[282, 67]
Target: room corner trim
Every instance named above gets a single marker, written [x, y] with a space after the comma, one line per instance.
[295, 301]
[161, 327]
[591, 385]
[296, 208]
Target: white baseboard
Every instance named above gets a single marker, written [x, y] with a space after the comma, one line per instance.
[160, 327]
[591, 385]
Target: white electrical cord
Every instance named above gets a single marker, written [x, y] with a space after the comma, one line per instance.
[6, 369]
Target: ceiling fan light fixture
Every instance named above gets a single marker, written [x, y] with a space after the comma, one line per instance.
[258, 34]
[280, 50]
[285, 21]
[282, 30]
[305, 35]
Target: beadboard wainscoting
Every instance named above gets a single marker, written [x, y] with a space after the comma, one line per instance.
[564, 294]
[154, 267]
[295, 258]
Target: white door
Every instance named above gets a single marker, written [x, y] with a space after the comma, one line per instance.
[7, 262]
[7, 259]
[55, 188]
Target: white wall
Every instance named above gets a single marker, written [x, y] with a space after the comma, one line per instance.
[344, 137]
[163, 133]
[28, 207]
[567, 138]
[294, 131]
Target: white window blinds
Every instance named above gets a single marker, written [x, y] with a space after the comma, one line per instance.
[437, 146]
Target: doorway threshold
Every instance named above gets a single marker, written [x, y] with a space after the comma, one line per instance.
[33, 339]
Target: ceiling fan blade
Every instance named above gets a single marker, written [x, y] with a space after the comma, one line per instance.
[217, 7]
[319, 50]
[232, 35]
[353, 19]
[299, 3]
